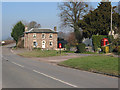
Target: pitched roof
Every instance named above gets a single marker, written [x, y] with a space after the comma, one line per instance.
[40, 30]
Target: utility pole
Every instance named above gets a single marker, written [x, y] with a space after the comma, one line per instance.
[111, 17]
[111, 30]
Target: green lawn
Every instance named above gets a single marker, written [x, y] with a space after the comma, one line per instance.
[106, 64]
[41, 53]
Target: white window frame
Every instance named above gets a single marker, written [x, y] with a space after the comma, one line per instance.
[52, 43]
[42, 35]
[34, 45]
[51, 35]
[34, 35]
[44, 42]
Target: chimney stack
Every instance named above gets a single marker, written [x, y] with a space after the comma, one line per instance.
[26, 28]
[55, 28]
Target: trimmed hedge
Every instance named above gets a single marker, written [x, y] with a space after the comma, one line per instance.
[96, 40]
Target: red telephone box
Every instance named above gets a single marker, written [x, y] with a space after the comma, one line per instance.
[104, 42]
[60, 45]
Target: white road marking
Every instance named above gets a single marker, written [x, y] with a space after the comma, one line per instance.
[17, 64]
[55, 79]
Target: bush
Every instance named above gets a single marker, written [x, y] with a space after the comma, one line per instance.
[116, 49]
[119, 49]
[80, 48]
[67, 46]
[36, 48]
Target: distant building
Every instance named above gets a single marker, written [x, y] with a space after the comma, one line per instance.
[40, 38]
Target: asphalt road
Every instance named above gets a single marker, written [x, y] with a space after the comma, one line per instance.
[20, 72]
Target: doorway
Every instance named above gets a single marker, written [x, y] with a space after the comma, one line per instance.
[43, 44]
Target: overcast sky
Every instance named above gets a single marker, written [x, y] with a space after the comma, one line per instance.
[44, 13]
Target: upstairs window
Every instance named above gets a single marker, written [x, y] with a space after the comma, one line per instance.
[34, 35]
[51, 36]
[43, 35]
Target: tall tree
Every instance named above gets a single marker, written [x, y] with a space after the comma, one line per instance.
[33, 24]
[17, 31]
[99, 20]
[71, 13]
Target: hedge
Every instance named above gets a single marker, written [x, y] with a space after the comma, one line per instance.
[96, 40]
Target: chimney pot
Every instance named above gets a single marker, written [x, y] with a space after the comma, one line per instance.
[55, 28]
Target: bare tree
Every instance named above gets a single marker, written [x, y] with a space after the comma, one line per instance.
[71, 13]
[71, 39]
[33, 24]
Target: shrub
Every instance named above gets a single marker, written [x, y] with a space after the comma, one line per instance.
[116, 49]
[119, 49]
[36, 48]
[80, 48]
[67, 46]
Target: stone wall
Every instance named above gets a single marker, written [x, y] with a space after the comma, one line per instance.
[29, 39]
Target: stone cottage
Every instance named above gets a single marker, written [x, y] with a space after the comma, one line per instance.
[40, 38]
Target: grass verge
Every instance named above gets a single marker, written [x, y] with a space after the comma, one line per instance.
[41, 53]
[99, 63]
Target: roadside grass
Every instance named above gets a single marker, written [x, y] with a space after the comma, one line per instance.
[41, 53]
[99, 63]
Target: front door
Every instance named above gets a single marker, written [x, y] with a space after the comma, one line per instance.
[43, 44]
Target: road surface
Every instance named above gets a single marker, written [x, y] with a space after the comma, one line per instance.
[20, 72]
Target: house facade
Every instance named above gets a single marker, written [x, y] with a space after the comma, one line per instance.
[40, 38]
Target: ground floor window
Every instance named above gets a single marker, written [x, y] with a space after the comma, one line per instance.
[51, 43]
[35, 44]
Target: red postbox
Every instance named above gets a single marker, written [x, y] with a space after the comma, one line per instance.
[60, 45]
[104, 42]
